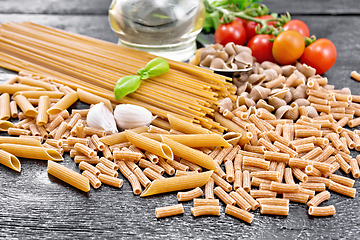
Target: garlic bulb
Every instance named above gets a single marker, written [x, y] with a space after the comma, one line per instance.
[129, 116]
[101, 117]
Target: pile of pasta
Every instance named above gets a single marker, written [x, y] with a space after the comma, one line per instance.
[189, 92]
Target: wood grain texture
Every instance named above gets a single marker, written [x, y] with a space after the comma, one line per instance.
[36, 205]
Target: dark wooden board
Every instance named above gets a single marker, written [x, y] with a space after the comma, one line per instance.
[36, 205]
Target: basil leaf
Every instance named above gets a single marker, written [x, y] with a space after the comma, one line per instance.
[156, 67]
[126, 85]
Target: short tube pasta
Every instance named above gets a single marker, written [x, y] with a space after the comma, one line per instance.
[189, 195]
[322, 211]
[239, 213]
[199, 140]
[5, 106]
[69, 176]
[94, 181]
[205, 210]
[169, 210]
[319, 198]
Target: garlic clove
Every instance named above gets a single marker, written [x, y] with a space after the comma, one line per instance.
[99, 116]
[129, 116]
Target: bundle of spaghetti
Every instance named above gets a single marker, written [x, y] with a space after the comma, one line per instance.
[94, 65]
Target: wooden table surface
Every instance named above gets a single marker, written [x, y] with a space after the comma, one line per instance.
[35, 205]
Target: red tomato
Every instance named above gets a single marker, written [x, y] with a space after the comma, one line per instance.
[250, 26]
[299, 26]
[288, 47]
[240, 20]
[230, 32]
[320, 55]
[261, 47]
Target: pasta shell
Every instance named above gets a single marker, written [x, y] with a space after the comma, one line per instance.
[206, 52]
[311, 111]
[223, 55]
[240, 48]
[306, 70]
[301, 79]
[217, 63]
[244, 59]
[232, 137]
[230, 48]
[242, 100]
[345, 91]
[207, 60]
[246, 87]
[229, 66]
[271, 74]
[250, 102]
[256, 78]
[239, 79]
[262, 104]
[302, 102]
[252, 110]
[299, 92]
[217, 46]
[276, 102]
[259, 92]
[256, 68]
[288, 96]
[287, 70]
[271, 65]
[280, 93]
[225, 103]
[293, 113]
[281, 111]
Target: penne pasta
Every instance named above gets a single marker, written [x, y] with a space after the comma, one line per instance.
[38, 94]
[176, 183]
[42, 117]
[5, 106]
[69, 176]
[186, 127]
[10, 161]
[26, 107]
[199, 140]
[91, 98]
[34, 152]
[63, 104]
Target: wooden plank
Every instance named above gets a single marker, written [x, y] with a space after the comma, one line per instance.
[321, 7]
[55, 6]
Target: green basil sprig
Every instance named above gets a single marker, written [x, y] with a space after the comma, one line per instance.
[129, 84]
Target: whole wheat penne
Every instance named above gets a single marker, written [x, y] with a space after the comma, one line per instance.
[189, 195]
[239, 213]
[92, 160]
[296, 197]
[339, 188]
[276, 156]
[317, 187]
[69, 176]
[274, 210]
[13, 109]
[322, 211]
[89, 131]
[273, 201]
[63, 104]
[94, 181]
[120, 137]
[60, 130]
[74, 119]
[209, 189]
[34, 152]
[71, 141]
[169, 211]
[230, 125]
[10, 161]
[177, 183]
[112, 181]
[185, 127]
[26, 107]
[319, 198]
[205, 210]
[42, 117]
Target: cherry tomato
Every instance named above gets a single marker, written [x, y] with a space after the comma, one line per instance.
[288, 47]
[299, 26]
[250, 26]
[261, 47]
[320, 55]
[230, 32]
[240, 20]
